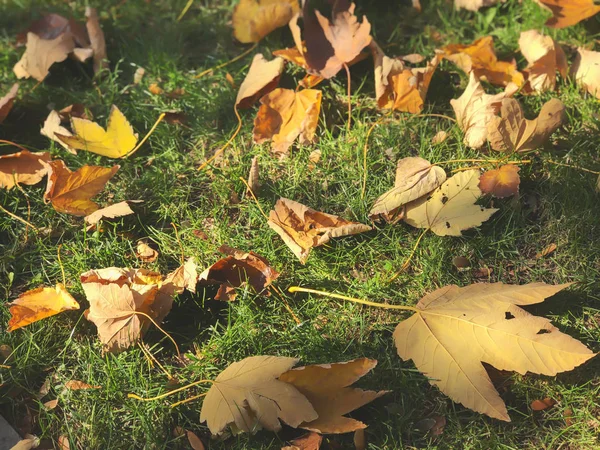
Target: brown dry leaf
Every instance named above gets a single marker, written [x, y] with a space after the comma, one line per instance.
[155, 89]
[480, 58]
[78, 110]
[6, 102]
[451, 208]
[586, 70]
[455, 330]
[569, 12]
[110, 212]
[398, 87]
[310, 441]
[51, 404]
[41, 54]
[360, 440]
[475, 5]
[263, 76]
[184, 277]
[254, 19]
[540, 405]
[30, 441]
[52, 126]
[303, 228]
[253, 176]
[38, 304]
[286, 115]
[330, 44]
[439, 137]
[415, 177]
[501, 182]
[63, 442]
[76, 385]
[545, 58]
[474, 109]
[546, 251]
[248, 395]
[70, 192]
[236, 269]
[195, 441]
[97, 41]
[514, 133]
[145, 253]
[48, 27]
[327, 388]
[23, 167]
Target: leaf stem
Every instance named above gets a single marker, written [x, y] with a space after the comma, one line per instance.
[220, 66]
[163, 331]
[174, 391]
[187, 400]
[441, 116]
[351, 299]
[407, 262]
[20, 147]
[62, 269]
[184, 10]
[572, 167]
[365, 149]
[222, 149]
[152, 359]
[14, 216]
[159, 120]
[349, 96]
[255, 199]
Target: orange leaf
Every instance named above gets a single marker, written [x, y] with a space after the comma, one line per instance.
[569, 12]
[540, 405]
[263, 76]
[502, 182]
[7, 101]
[23, 167]
[75, 385]
[310, 441]
[37, 304]
[70, 192]
[254, 19]
[286, 115]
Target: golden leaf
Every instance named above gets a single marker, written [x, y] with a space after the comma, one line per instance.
[254, 19]
[569, 12]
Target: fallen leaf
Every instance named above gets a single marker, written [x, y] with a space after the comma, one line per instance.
[303, 228]
[51, 126]
[415, 177]
[76, 385]
[117, 141]
[254, 19]
[145, 253]
[514, 133]
[286, 115]
[360, 440]
[501, 182]
[480, 59]
[6, 102]
[28, 443]
[474, 109]
[194, 441]
[546, 251]
[568, 415]
[454, 330]
[38, 304]
[155, 89]
[40, 54]
[97, 41]
[262, 77]
[237, 269]
[75, 110]
[315, 156]
[438, 428]
[586, 70]
[51, 404]
[545, 58]
[184, 277]
[138, 75]
[451, 208]
[569, 12]
[110, 212]
[398, 87]
[540, 405]
[248, 394]
[253, 176]
[23, 167]
[439, 137]
[310, 441]
[48, 27]
[63, 442]
[474, 5]
[70, 192]
[330, 44]
[327, 388]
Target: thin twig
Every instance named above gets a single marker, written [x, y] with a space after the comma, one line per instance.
[349, 96]
[220, 66]
[187, 400]
[407, 262]
[351, 299]
[167, 394]
[14, 144]
[255, 199]
[222, 149]
[185, 10]
[441, 116]
[159, 120]
[18, 218]
[287, 306]
[572, 167]
[60, 264]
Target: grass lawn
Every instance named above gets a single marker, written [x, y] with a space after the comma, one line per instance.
[556, 205]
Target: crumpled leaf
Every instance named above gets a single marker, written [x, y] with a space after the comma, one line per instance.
[310, 441]
[480, 58]
[451, 208]
[415, 177]
[38, 304]
[97, 41]
[586, 70]
[41, 54]
[327, 388]
[455, 329]
[501, 182]
[23, 167]
[545, 58]
[116, 296]
[475, 5]
[111, 211]
[514, 133]
[247, 394]
[6, 102]
[254, 19]
[569, 12]
[70, 192]
[236, 269]
[474, 109]
[399, 87]
[303, 228]
[263, 76]
[286, 115]
[330, 44]
[145, 253]
[117, 141]
[52, 126]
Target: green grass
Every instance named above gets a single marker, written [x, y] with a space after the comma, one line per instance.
[556, 205]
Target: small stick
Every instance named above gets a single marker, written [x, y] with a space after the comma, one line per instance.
[287, 306]
[153, 359]
[352, 299]
[349, 96]
[18, 218]
[184, 10]
[159, 120]
[572, 167]
[163, 331]
[254, 197]
[174, 391]
[407, 262]
[222, 149]
[20, 147]
[180, 244]
[62, 269]
[220, 66]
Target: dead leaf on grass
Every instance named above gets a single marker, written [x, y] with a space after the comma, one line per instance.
[145, 253]
[545, 58]
[23, 167]
[110, 212]
[586, 70]
[6, 102]
[310, 441]
[262, 77]
[501, 182]
[76, 385]
[254, 19]
[41, 54]
[475, 5]
[566, 13]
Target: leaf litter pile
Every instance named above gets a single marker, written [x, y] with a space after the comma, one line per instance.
[466, 339]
